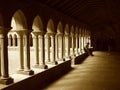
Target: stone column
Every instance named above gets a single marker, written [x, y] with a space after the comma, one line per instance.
[47, 47]
[62, 54]
[0, 57]
[4, 79]
[56, 47]
[82, 41]
[27, 69]
[67, 47]
[63, 39]
[36, 49]
[53, 49]
[76, 45]
[60, 44]
[14, 41]
[72, 45]
[9, 41]
[21, 51]
[42, 54]
[80, 45]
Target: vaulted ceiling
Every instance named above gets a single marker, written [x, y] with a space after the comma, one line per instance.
[91, 12]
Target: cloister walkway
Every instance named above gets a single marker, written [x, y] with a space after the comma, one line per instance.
[100, 72]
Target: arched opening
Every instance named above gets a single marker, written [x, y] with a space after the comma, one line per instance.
[66, 29]
[80, 43]
[31, 40]
[10, 40]
[18, 24]
[82, 40]
[37, 32]
[50, 42]
[72, 40]
[76, 40]
[50, 26]
[37, 24]
[66, 42]
[59, 28]
[15, 43]
[18, 21]
[59, 41]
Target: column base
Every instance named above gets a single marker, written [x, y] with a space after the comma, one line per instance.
[73, 56]
[80, 53]
[68, 58]
[48, 60]
[62, 59]
[6, 81]
[36, 66]
[77, 54]
[53, 62]
[25, 72]
[43, 66]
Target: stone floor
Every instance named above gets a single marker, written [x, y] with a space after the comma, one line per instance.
[98, 72]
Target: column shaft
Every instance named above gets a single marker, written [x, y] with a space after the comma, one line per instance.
[61, 46]
[53, 49]
[76, 45]
[79, 45]
[5, 79]
[21, 51]
[56, 47]
[47, 44]
[14, 41]
[72, 45]
[67, 47]
[9, 41]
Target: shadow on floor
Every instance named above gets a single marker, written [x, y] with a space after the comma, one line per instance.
[52, 80]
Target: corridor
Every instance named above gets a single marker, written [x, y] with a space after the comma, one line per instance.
[98, 72]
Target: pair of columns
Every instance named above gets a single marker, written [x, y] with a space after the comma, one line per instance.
[24, 52]
[75, 45]
[12, 41]
[50, 39]
[66, 47]
[39, 49]
[24, 55]
[59, 46]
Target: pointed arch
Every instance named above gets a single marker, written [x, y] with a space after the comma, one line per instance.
[37, 24]
[59, 28]
[72, 30]
[50, 26]
[66, 29]
[18, 21]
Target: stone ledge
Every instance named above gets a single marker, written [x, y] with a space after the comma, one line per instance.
[41, 79]
[79, 59]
